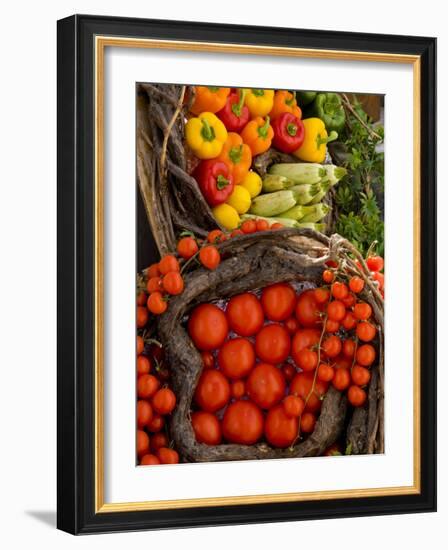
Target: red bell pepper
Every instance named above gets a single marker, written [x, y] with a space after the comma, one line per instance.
[289, 133]
[215, 181]
[235, 114]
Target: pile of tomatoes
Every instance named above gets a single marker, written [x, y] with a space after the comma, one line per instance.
[269, 359]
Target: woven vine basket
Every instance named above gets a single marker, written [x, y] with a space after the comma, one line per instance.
[173, 204]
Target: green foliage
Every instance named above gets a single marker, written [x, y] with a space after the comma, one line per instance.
[360, 194]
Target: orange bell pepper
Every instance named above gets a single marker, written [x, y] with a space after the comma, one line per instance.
[237, 155]
[210, 99]
[258, 134]
[285, 102]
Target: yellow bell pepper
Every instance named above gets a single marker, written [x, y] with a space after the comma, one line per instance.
[239, 199]
[206, 135]
[259, 101]
[314, 146]
[227, 216]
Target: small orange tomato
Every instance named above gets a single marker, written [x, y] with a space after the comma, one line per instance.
[141, 298]
[236, 233]
[349, 321]
[375, 263]
[262, 225]
[158, 440]
[356, 396]
[154, 284]
[325, 372]
[336, 310]
[360, 375]
[156, 304]
[238, 389]
[142, 443]
[293, 405]
[331, 326]
[307, 422]
[210, 257]
[365, 355]
[349, 347]
[147, 385]
[207, 428]
[164, 401]
[142, 316]
[143, 365]
[167, 455]
[362, 311]
[156, 424]
[173, 283]
[275, 226]
[140, 345]
[207, 359]
[187, 247]
[339, 290]
[379, 278]
[149, 460]
[341, 379]
[356, 284]
[328, 276]
[153, 271]
[306, 359]
[144, 413]
[216, 236]
[168, 263]
[349, 301]
[332, 346]
[249, 226]
[365, 331]
[321, 295]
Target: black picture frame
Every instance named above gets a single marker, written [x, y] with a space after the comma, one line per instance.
[76, 397]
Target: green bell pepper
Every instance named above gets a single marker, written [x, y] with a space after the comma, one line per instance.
[305, 98]
[328, 107]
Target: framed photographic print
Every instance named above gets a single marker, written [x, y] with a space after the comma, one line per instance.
[246, 271]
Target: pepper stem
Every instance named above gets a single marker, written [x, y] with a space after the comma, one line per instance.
[236, 107]
[291, 129]
[221, 182]
[236, 153]
[207, 132]
[321, 141]
[263, 130]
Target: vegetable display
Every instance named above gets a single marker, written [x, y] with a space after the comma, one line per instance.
[260, 330]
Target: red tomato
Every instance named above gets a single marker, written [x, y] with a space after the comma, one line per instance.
[156, 424]
[238, 389]
[328, 276]
[349, 347]
[339, 290]
[379, 278]
[356, 396]
[292, 325]
[245, 314]
[375, 263]
[208, 361]
[275, 226]
[307, 311]
[349, 301]
[216, 236]
[168, 263]
[144, 413]
[236, 358]
[360, 375]
[207, 428]
[249, 226]
[293, 405]
[272, 344]
[242, 423]
[167, 456]
[143, 365]
[147, 385]
[187, 247]
[331, 326]
[280, 429]
[307, 359]
[322, 295]
[154, 285]
[142, 316]
[303, 338]
[365, 331]
[209, 256]
[341, 379]
[362, 311]
[332, 346]
[149, 460]
[156, 303]
[262, 225]
[142, 443]
[342, 362]
[140, 345]
[325, 372]
[164, 401]
[158, 440]
[349, 321]
[288, 372]
[278, 301]
[236, 233]
[212, 391]
[208, 327]
[336, 310]
[365, 355]
[356, 284]
[266, 385]
[302, 386]
[153, 271]
[173, 283]
[141, 298]
[307, 422]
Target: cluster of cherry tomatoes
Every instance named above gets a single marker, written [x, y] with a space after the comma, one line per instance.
[269, 360]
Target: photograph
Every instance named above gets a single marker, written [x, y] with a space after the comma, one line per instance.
[260, 273]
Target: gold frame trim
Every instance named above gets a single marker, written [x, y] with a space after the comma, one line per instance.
[101, 42]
